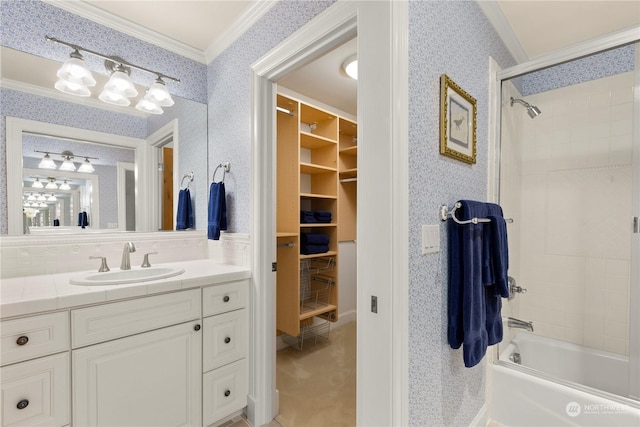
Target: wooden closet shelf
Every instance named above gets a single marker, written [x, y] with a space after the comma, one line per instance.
[312, 141]
[350, 151]
[315, 309]
[311, 169]
[317, 196]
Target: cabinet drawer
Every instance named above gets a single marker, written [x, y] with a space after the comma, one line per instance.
[36, 393]
[35, 336]
[224, 391]
[224, 339]
[104, 322]
[224, 298]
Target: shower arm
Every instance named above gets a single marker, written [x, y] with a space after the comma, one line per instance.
[520, 101]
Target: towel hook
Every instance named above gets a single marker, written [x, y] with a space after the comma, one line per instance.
[226, 166]
[186, 176]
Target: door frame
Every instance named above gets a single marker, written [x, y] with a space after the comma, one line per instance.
[382, 266]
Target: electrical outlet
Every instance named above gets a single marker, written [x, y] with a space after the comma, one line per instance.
[430, 239]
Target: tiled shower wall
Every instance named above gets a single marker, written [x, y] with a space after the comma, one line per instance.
[575, 213]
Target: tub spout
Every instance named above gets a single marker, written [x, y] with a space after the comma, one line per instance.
[512, 322]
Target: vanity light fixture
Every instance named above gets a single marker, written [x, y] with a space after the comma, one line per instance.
[31, 197]
[37, 184]
[52, 198]
[75, 78]
[41, 198]
[85, 167]
[47, 162]
[42, 205]
[67, 165]
[350, 66]
[52, 184]
[65, 185]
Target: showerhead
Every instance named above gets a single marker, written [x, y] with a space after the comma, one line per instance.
[532, 110]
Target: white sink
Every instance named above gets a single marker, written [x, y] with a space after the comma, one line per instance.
[121, 277]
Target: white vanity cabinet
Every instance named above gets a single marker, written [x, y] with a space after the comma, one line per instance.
[35, 370]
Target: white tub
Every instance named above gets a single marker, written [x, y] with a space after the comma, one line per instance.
[543, 390]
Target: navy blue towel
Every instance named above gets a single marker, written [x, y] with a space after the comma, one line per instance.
[83, 219]
[184, 217]
[314, 239]
[475, 268]
[217, 215]
[307, 217]
[313, 249]
[322, 216]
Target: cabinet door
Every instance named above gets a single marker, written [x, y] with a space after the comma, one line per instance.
[36, 393]
[225, 338]
[150, 379]
[224, 391]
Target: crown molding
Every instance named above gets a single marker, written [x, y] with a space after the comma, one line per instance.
[242, 24]
[55, 94]
[107, 19]
[496, 16]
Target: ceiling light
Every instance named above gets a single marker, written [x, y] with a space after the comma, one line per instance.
[65, 185]
[350, 66]
[67, 165]
[85, 167]
[37, 184]
[148, 104]
[47, 162]
[51, 185]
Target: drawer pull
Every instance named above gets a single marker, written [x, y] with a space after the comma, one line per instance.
[22, 341]
[196, 328]
[226, 298]
[22, 404]
[227, 340]
[227, 393]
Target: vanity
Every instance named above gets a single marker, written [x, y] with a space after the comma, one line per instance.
[163, 352]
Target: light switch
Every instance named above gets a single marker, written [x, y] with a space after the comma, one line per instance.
[430, 239]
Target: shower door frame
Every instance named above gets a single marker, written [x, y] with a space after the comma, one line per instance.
[611, 41]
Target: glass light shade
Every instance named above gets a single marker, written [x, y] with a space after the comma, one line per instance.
[351, 67]
[42, 205]
[31, 197]
[114, 98]
[75, 71]
[52, 198]
[41, 197]
[65, 186]
[26, 205]
[72, 88]
[47, 163]
[158, 91]
[37, 184]
[85, 167]
[67, 165]
[51, 185]
[149, 105]
[121, 84]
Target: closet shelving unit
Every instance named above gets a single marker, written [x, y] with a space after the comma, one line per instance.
[315, 150]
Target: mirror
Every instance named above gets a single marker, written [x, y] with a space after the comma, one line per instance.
[127, 190]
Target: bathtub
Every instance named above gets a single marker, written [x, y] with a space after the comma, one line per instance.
[560, 384]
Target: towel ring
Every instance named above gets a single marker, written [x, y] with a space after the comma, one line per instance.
[225, 168]
[186, 176]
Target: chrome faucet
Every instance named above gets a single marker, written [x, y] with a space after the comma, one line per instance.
[126, 260]
[512, 322]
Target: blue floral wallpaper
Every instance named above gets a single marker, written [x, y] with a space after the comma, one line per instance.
[453, 38]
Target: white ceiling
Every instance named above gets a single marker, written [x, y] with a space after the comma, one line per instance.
[534, 27]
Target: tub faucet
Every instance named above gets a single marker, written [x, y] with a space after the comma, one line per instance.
[126, 260]
[512, 322]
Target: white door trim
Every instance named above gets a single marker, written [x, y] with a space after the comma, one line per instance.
[382, 30]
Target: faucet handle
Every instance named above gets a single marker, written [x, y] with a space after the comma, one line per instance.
[145, 262]
[103, 265]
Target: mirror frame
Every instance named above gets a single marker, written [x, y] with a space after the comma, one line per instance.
[15, 127]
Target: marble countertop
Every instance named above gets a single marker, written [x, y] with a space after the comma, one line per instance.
[34, 294]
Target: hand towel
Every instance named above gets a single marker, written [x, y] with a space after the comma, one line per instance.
[314, 239]
[322, 216]
[217, 213]
[83, 219]
[184, 217]
[307, 217]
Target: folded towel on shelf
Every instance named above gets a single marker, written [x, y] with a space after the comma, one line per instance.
[184, 217]
[313, 249]
[322, 216]
[314, 239]
[217, 211]
[477, 267]
[307, 217]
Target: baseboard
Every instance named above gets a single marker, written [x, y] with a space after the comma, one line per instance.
[481, 418]
[250, 410]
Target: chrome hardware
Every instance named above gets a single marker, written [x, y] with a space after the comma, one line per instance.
[145, 262]
[126, 260]
[22, 340]
[103, 265]
[515, 358]
[512, 322]
[22, 404]
[514, 288]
